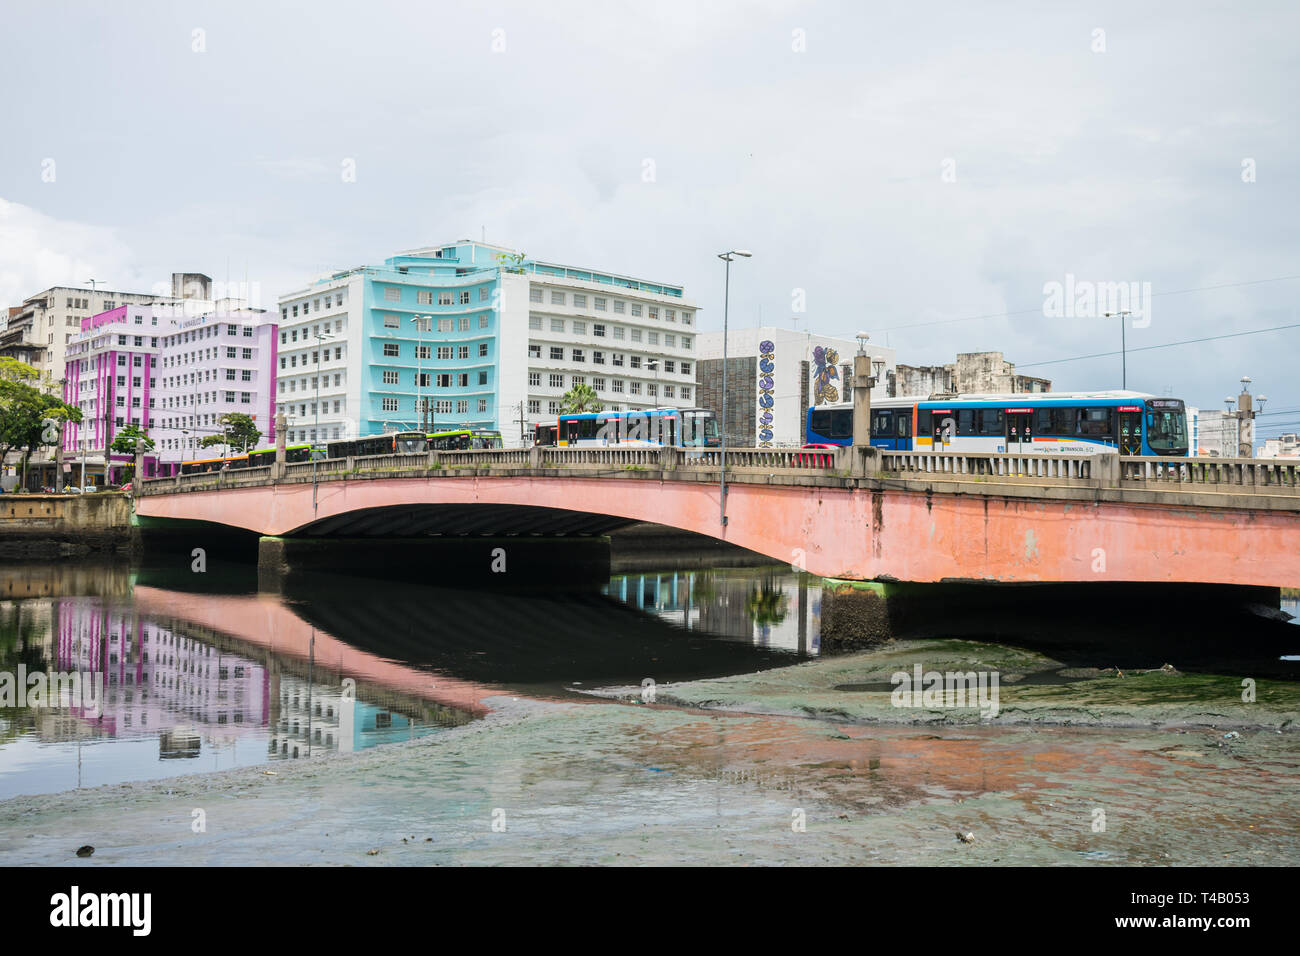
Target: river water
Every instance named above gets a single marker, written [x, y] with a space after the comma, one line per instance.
[181, 676]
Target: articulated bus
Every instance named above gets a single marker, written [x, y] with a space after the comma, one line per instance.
[651, 428]
[1063, 423]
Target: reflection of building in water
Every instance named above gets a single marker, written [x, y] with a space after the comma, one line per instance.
[153, 678]
[323, 716]
[774, 609]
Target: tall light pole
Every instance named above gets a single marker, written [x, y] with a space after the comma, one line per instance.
[726, 305]
[1123, 344]
[1245, 413]
[315, 436]
[421, 405]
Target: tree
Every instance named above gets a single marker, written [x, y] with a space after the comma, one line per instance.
[579, 399]
[12, 370]
[124, 441]
[237, 431]
[29, 418]
[511, 261]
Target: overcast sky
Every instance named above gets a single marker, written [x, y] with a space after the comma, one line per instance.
[904, 164]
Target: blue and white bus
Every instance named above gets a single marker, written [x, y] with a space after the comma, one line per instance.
[1062, 423]
[652, 427]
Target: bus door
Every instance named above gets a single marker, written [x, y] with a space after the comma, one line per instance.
[944, 423]
[1130, 430]
[1020, 430]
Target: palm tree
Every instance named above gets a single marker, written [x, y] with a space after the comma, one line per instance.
[579, 399]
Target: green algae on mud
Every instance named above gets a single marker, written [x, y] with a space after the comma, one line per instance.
[1153, 698]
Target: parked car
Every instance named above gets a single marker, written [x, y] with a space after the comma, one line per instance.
[817, 455]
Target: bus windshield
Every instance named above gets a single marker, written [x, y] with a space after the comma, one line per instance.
[1167, 427]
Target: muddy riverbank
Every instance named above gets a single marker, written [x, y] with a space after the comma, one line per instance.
[1030, 687]
[602, 782]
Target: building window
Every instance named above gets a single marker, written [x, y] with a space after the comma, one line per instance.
[616, 358]
[598, 330]
[534, 406]
[634, 388]
[483, 293]
[482, 404]
[445, 298]
[578, 355]
[444, 380]
[444, 352]
[668, 391]
[598, 358]
[392, 322]
[669, 366]
[598, 384]
[616, 385]
[462, 351]
[670, 315]
[464, 297]
[579, 380]
[535, 322]
[390, 377]
[422, 297]
[618, 305]
[462, 406]
[579, 300]
[686, 341]
[557, 353]
[392, 349]
[483, 321]
[552, 408]
[686, 393]
[557, 325]
[423, 351]
[636, 335]
[534, 351]
[636, 308]
[599, 303]
[636, 361]
[557, 298]
[653, 338]
[445, 325]
[579, 328]
[557, 381]
[534, 293]
[534, 379]
[390, 404]
[482, 378]
[686, 368]
[391, 294]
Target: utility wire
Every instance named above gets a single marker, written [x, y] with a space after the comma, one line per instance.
[1166, 345]
[1039, 309]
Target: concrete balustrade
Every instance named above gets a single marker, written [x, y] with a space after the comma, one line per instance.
[1238, 479]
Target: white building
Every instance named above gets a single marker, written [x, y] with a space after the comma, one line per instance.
[480, 338]
[774, 374]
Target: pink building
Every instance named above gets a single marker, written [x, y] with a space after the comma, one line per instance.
[173, 371]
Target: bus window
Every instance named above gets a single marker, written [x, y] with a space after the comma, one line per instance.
[1095, 422]
[965, 421]
[990, 421]
[903, 423]
[842, 423]
[924, 423]
[882, 423]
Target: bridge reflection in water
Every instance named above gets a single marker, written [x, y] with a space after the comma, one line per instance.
[770, 608]
[187, 681]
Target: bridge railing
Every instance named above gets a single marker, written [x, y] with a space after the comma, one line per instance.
[1263, 475]
[911, 464]
[1220, 475]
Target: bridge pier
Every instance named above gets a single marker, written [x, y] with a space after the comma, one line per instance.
[517, 563]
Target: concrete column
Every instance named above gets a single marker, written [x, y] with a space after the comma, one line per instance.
[668, 459]
[535, 458]
[281, 423]
[861, 411]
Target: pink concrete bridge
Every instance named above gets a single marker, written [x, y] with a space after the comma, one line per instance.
[858, 514]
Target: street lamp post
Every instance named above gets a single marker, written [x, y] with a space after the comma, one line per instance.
[726, 305]
[1123, 344]
[315, 436]
[421, 403]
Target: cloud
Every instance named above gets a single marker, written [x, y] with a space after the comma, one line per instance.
[38, 251]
